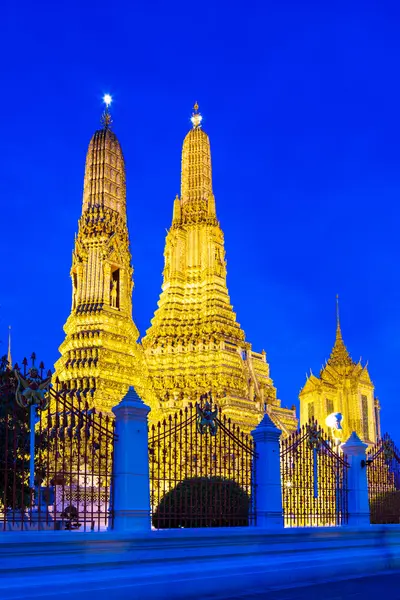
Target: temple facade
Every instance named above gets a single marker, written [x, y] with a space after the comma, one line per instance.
[100, 354]
[195, 343]
[345, 387]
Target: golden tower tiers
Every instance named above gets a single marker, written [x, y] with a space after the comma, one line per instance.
[100, 353]
[343, 387]
[195, 344]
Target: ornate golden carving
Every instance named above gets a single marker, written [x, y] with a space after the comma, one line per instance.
[195, 344]
[343, 387]
[100, 353]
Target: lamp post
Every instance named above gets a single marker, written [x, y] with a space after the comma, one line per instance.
[31, 393]
[334, 422]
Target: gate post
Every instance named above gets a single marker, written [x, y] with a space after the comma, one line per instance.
[268, 474]
[131, 494]
[358, 501]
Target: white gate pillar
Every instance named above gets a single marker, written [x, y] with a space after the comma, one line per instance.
[358, 502]
[268, 474]
[131, 494]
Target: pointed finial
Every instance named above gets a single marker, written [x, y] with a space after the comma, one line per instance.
[338, 330]
[106, 119]
[339, 356]
[9, 348]
[196, 117]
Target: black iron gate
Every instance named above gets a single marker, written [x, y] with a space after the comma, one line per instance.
[383, 464]
[314, 479]
[202, 470]
[56, 455]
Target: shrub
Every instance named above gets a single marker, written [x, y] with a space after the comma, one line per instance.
[203, 502]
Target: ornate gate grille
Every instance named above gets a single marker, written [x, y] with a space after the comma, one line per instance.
[202, 470]
[383, 461]
[314, 479]
[73, 458]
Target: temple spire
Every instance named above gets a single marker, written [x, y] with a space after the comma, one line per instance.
[104, 184]
[100, 354]
[9, 359]
[339, 355]
[195, 344]
[196, 178]
[338, 330]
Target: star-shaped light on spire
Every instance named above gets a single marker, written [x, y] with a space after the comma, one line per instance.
[106, 117]
[107, 99]
[196, 117]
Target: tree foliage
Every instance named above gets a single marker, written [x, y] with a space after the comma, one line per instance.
[14, 445]
[203, 502]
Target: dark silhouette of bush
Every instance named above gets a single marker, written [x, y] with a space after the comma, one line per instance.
[203, 502]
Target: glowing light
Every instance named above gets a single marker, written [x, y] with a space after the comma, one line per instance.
[196, 120]
[107, 99]
[334, 421]
[196, 117]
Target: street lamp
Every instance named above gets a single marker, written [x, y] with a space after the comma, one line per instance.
[334, 422]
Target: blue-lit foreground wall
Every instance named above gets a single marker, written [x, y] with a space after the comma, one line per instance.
[188, 563]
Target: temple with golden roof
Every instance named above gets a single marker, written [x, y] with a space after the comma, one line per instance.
[100, 354]
[195, 344]
[344, 387]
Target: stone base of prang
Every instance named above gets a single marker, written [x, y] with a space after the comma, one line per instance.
[188, 563]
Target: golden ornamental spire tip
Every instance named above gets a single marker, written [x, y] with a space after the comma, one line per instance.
[338, 330]
[339, 355]
[196, 117]
[106, 119]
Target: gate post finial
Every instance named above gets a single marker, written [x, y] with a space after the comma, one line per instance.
[358, 503]
[268, 475]
[131, 493]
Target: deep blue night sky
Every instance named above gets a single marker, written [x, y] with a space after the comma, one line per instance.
[301, 103]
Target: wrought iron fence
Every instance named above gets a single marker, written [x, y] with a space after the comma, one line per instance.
[202, 470]
[56, 458]
[383, 472]
[314, 479]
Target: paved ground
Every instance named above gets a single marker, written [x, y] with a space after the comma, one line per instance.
[367, 588]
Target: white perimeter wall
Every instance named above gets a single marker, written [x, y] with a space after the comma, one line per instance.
[187, 563]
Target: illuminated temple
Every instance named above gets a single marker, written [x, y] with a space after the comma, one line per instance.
[195, 344]
[345, 387]
[100, 354]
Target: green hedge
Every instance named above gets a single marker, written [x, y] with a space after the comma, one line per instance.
[203, 502]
